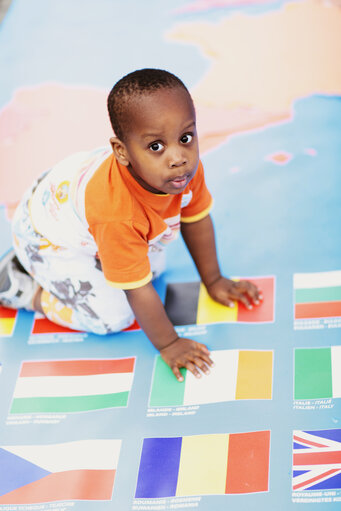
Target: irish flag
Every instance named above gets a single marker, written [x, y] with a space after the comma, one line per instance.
[215, 464]
[81, 470]
[237, 374]
[189, 303]
[73, 385]
[318, 372]
[317, 295]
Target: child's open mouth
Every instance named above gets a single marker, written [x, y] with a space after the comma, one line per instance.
[179, 182]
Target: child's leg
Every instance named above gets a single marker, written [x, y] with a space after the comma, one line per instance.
[75, 291]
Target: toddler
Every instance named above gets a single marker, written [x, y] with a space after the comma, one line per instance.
[89, 236]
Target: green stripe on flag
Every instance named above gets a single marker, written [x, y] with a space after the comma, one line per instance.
[318, 294]
[313, 373]
[68, 404]
[166, 389]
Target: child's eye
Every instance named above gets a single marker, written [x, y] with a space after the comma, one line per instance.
[186, 139]
[156, 147]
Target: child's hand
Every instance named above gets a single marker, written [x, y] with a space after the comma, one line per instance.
[226, 291]
[187, 353]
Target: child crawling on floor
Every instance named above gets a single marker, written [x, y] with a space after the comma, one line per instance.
[89, 236]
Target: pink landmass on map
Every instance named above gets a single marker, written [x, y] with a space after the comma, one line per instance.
[42, 125]
[205, 5]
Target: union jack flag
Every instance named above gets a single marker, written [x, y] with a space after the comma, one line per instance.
[317, 460]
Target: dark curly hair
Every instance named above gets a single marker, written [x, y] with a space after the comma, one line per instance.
[132, 85]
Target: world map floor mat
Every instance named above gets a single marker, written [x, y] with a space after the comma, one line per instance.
[99, 421]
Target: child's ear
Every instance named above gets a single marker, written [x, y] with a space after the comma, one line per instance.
[120, 151]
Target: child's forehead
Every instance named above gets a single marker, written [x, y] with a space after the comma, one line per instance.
[152, 106]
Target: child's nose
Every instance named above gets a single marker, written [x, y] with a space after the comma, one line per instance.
[177, 159]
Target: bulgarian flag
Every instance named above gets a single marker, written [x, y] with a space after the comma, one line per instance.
[317, 295]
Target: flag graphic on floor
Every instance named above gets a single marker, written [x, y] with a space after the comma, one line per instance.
[42, 325]
[317, 295]
[317, 460]
[189, 303]
[237, 374]
[318, 373]
[81, 470]
[204, 465]
[73, 385]
[7, 321]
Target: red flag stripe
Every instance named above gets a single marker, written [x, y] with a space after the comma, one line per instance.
[7, 313]
[317, 458]
[69, 485]
[316, 478]
[248, 462]
[77, 367]
[308, 442]
[317, 310]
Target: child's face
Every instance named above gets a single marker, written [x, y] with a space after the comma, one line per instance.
[161, 149]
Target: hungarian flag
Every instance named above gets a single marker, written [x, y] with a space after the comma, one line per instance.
[72, 385]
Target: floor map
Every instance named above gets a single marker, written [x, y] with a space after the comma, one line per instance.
[100, 422]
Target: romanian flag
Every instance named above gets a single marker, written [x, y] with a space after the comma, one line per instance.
[318, 373]
[204, 465]
[73, 385]
[317, 295]
[237, 374]
[81, 470]
[7, 321]
[189, 303]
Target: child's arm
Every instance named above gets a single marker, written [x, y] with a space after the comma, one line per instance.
[200, 241]
[176, 351]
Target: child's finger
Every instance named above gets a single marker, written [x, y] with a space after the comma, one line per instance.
[206, 359]
[191, 367]
[254, 293]
[177, 373]
[244, 299]
[201, 364]
[203, 348]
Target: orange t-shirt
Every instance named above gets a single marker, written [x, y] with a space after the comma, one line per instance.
[128, 221]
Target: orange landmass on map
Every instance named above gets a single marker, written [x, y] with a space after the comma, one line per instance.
[260, 64]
